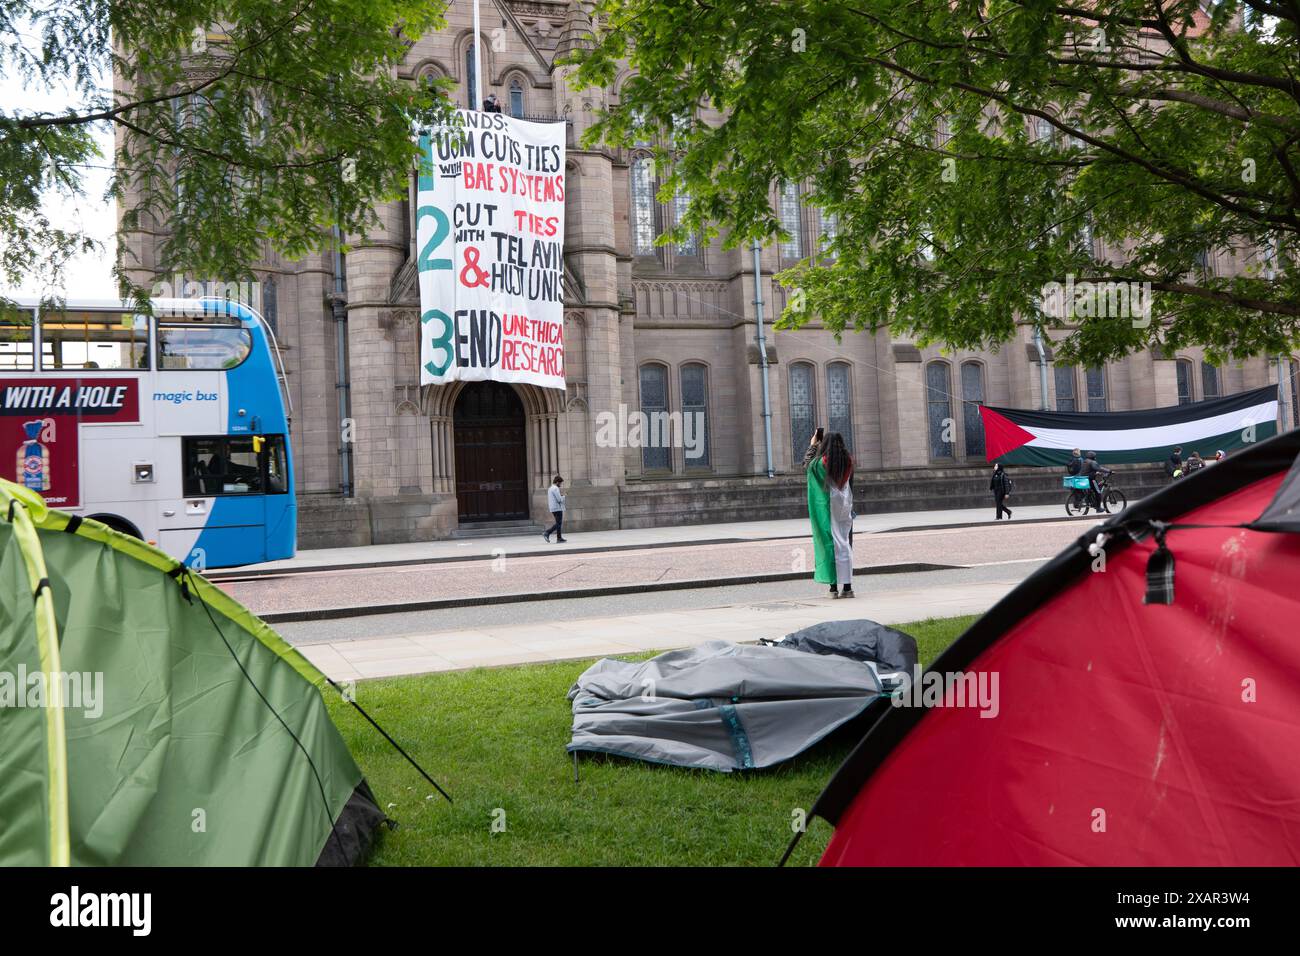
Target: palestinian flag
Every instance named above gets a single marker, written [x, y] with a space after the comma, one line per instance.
[1015, 436]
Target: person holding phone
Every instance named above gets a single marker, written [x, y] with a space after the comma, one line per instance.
[555, 501]
[829, 469]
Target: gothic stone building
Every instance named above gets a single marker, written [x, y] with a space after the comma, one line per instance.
[647, 327]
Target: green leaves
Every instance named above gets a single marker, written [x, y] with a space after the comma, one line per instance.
[244, 127]
[974, 151]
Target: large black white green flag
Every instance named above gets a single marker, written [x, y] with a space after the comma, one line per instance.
[1016, 436]
[490, 233]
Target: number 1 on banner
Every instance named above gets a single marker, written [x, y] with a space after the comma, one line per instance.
[425, 164]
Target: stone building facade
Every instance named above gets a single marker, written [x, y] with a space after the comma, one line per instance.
[647, 327]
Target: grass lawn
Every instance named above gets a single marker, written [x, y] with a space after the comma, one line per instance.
[494, 739]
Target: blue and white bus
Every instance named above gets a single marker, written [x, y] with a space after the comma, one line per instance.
[172, 427]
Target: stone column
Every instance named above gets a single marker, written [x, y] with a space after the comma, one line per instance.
[909, 400]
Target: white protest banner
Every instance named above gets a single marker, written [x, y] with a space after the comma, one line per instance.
[490, 234]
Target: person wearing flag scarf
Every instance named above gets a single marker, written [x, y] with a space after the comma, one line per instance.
[829, 468]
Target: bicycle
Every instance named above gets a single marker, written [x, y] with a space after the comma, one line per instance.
[1079, 500]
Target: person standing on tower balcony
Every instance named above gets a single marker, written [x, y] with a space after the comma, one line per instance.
[555, 501]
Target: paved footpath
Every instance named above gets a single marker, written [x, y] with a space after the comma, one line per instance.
[429, 651]
[454, 549]
[415, 585]
[752, 554]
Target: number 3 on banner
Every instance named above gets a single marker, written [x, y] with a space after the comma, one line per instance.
[441, 230]
[440, 342]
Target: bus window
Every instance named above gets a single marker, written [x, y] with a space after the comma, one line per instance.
[197, 347]
[277, 472]
[228, 465]
[16, 342]
[94, 340]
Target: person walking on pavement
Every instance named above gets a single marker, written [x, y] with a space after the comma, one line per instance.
[1000, 485]
[555, 501]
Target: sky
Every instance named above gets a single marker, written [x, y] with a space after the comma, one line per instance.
[87, 276]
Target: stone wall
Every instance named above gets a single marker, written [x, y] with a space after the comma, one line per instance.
[326, 522]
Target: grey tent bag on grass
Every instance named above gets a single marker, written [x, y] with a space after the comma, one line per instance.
[717, 706]
[888, 649]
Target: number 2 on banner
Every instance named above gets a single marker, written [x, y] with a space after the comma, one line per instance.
[441, 230]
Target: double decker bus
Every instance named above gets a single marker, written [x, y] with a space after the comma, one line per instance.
[172, 427]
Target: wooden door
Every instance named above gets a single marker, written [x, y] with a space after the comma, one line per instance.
[491, 453]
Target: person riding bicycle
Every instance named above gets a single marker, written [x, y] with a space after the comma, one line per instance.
[1075, 464]
[1092, 470]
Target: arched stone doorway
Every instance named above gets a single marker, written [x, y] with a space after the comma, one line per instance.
[491, 453]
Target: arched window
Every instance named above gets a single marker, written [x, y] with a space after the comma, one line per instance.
[690, 246]
[644, 229]
[1065, 394]
[641, 131]
[1087, 242]
[926, 246]
[695, 415]
[429, 79]
[270, 307]
[1184, 370]
[938, 403]
[942, 132]
[1209, 380]
[791, 221]
[516, 99]
[1096, 389]
[830, 228]
[1271, 247]
[839, 401]
[802, 408]
[470, 86]
[681, 125]
[972, 397]
[656, 453]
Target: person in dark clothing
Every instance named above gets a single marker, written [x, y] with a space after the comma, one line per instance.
[492, 104]
[1092, 470]
[1174, 463]
[1000, 485]
[1076, 463]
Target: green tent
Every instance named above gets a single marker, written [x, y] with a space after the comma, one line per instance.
[146, 718]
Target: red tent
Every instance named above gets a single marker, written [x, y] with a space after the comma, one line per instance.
[1127, 731]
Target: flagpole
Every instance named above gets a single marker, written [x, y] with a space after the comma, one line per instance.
[478, 74]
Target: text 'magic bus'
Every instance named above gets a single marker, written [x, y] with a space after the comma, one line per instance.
[172, 427]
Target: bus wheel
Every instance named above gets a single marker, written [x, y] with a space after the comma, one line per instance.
[119, 524]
